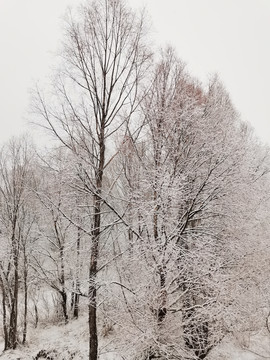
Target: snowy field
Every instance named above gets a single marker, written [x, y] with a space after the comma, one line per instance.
[243, 347]
[71, 342]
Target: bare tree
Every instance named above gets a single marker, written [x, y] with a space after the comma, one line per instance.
[183, 157]
[16, 222]
[98, 90]
[56, 231]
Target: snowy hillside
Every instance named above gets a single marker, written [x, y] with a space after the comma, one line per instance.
[62, 342]
[70, 341]
[244, 347]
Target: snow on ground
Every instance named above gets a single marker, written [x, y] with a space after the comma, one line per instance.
[248, 346]
[72, 338]
[66, 340]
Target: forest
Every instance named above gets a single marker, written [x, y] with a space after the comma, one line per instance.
[147, 217]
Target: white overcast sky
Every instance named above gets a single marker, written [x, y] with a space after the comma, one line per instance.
[228, 37]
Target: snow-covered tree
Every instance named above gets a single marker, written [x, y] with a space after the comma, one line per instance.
[97, 91]
[17, 219]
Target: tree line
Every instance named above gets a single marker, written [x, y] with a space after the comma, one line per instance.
[151, 208]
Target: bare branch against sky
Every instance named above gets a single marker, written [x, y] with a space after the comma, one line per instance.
[225, 36]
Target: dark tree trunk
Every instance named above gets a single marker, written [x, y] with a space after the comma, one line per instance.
[64, 305]
[62, 279]
[93, 343]
[13, 340]
[36, 315]
[92, 292]
[25, 300]
[77, 280]
[76, 306]
[92, 310]
[5, 327]
[162, 310]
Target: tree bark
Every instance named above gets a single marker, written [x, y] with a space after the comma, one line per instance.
[14, 313]
[77, 280]
[5, 327]
[25, 299]
[36, 315]
[92, 310]
[14, 303]
[64, 305]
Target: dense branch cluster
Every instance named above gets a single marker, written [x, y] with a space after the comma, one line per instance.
[150, 214]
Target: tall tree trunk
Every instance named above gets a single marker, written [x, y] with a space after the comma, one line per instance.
[64, 304]
[62, 278]
[72, 296]
[14, 296]
[14, 310]
[25, 307]
[162, 310]
[93, 337]
[77, 280]
[25, 298]
[76, 305]
[5, 327]
[63, 284]
[36, 315]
